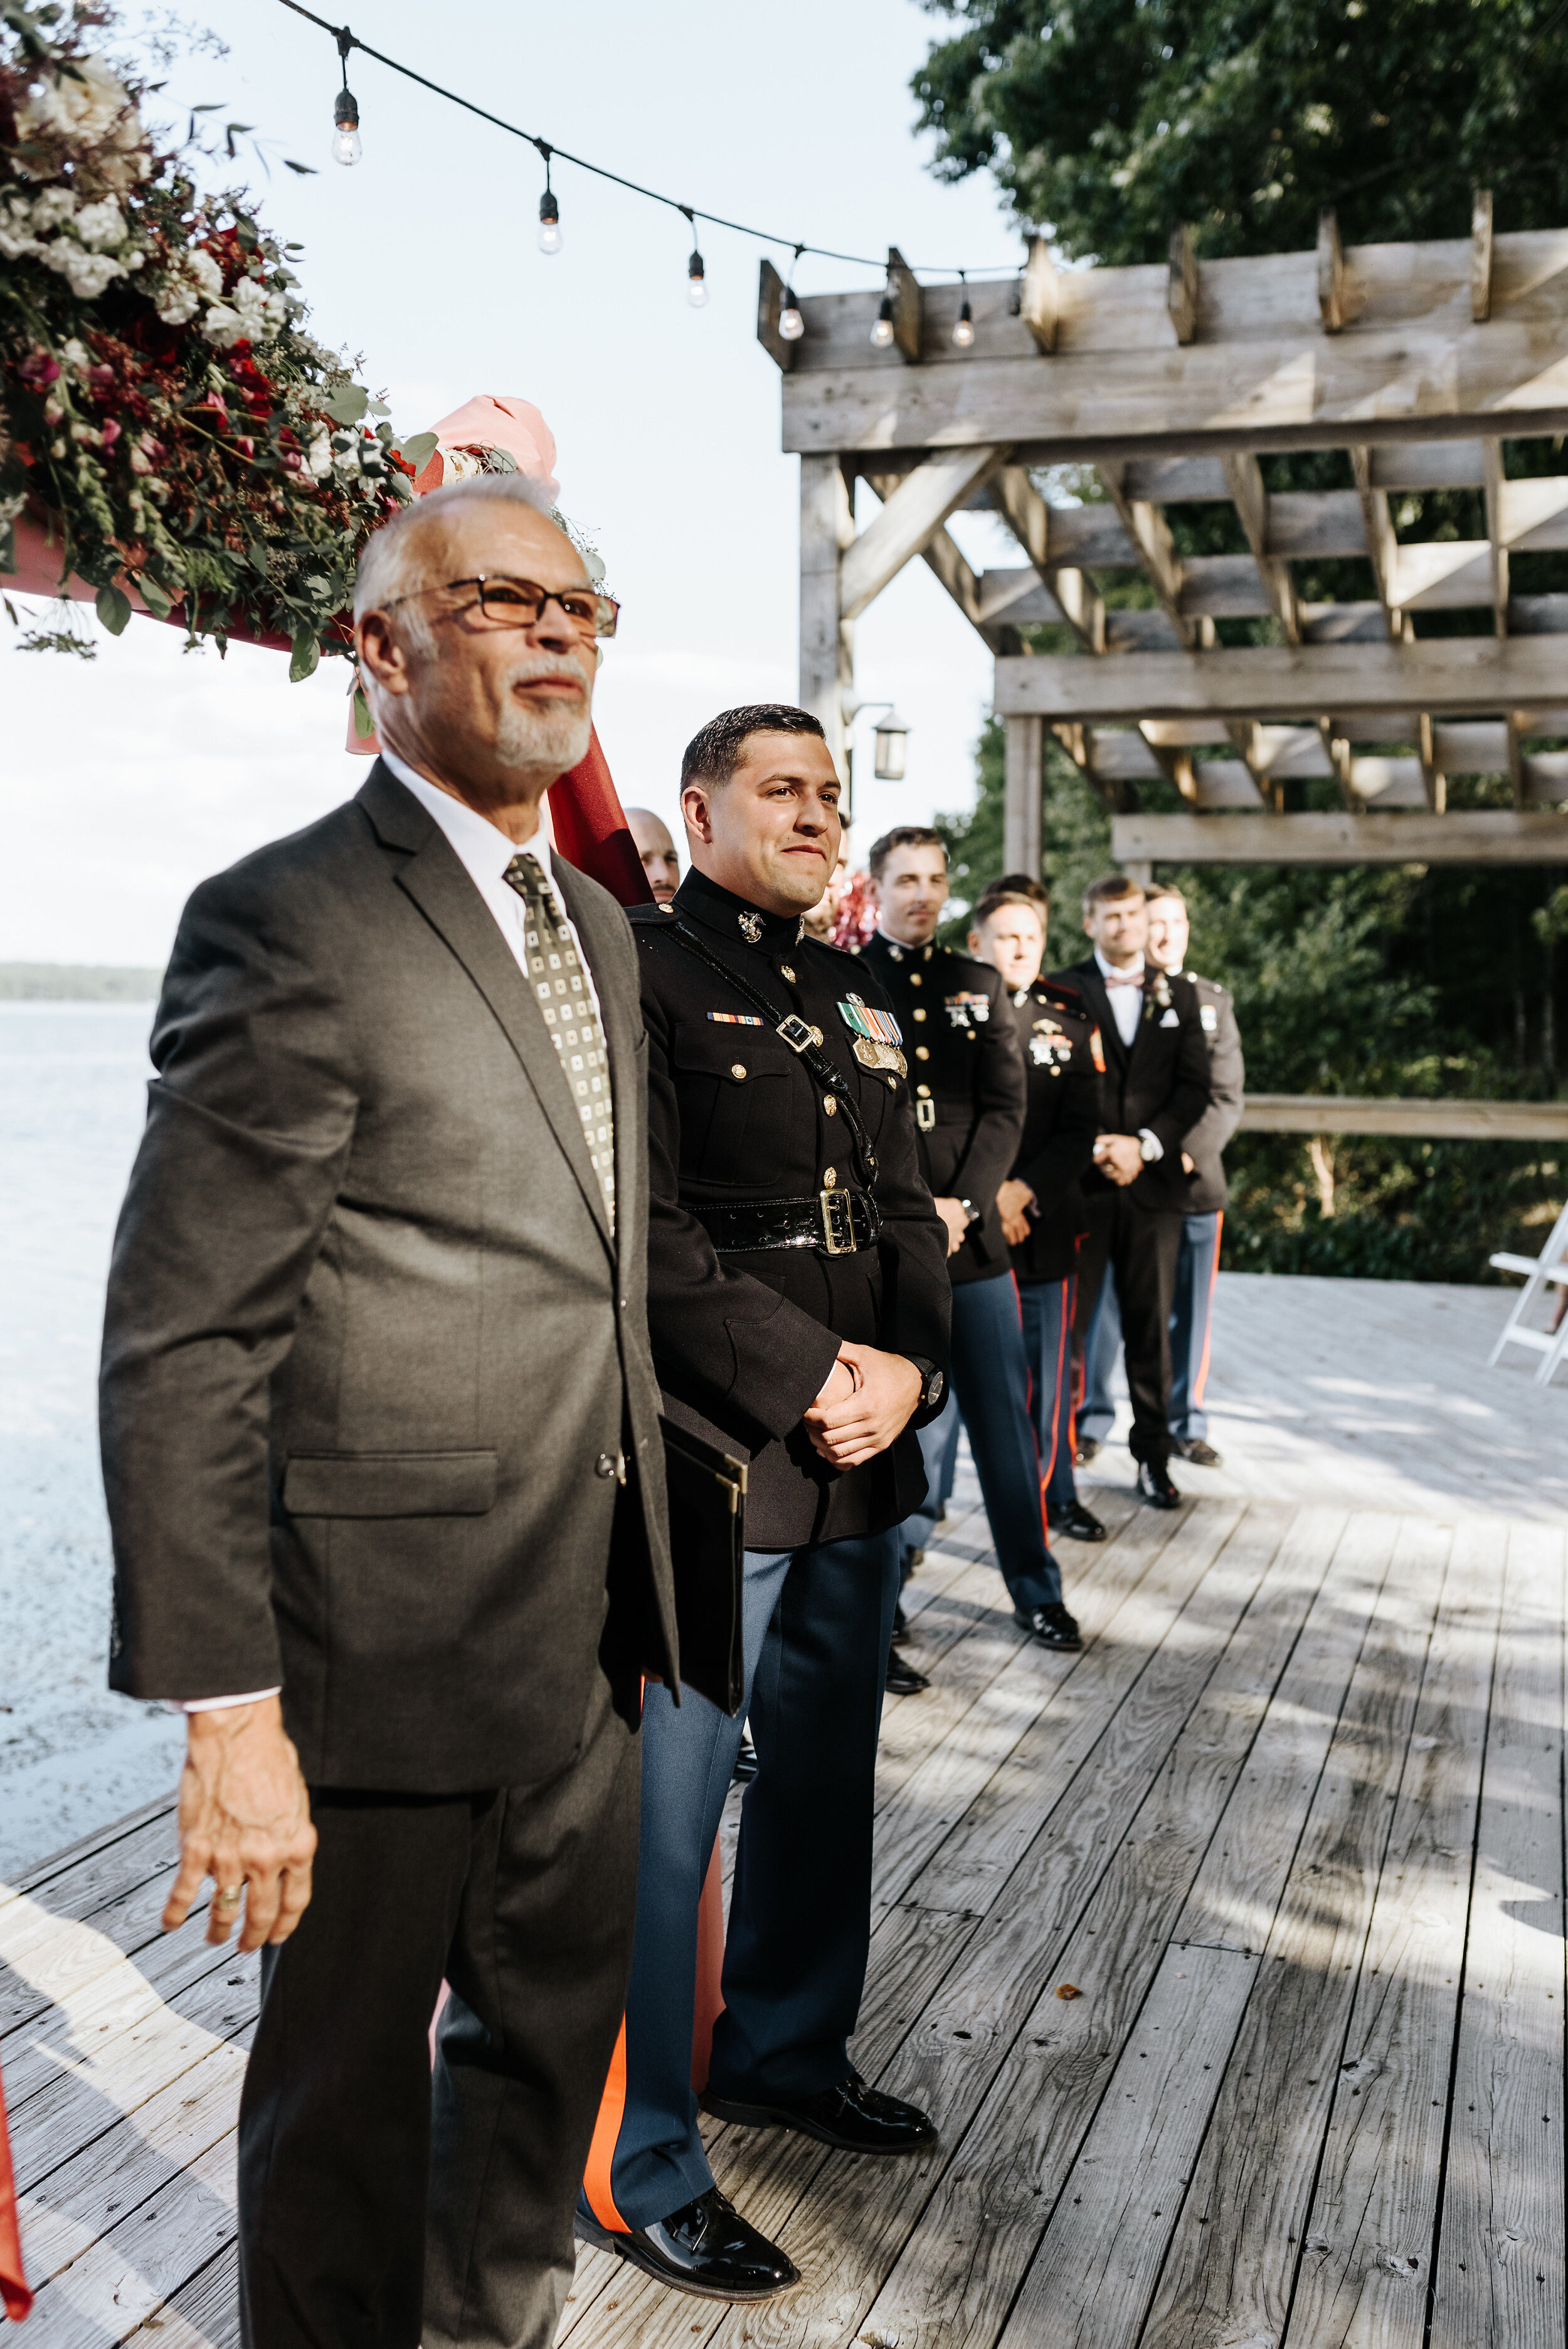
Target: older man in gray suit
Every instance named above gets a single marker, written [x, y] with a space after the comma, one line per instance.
[380, 1436]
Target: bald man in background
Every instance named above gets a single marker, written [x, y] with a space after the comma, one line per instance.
[657, 851]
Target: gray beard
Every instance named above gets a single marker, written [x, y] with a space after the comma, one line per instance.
[541, 737]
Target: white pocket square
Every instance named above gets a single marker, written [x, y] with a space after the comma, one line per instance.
[1170, 1019]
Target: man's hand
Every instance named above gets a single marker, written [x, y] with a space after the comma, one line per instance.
[244, 1821]
[1014, 1201]
[956, 1216]
[1119, 1156]
[1188, 1165]
[868, 1400]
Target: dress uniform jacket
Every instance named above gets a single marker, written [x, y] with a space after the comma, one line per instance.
[1207, 1190]
[745, 1336]
[1062, 1058]
[968, 1080]
[1161, 1084]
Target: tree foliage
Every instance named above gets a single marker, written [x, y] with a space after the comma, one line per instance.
[1106, 121]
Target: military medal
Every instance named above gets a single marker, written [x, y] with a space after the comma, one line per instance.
[750, 927]
[876, 1036]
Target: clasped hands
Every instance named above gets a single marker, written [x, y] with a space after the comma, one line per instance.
[866, 1401]
[1120, 1156]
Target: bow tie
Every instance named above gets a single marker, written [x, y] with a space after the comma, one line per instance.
[1125, 978]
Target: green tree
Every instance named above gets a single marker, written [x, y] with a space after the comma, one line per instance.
[1106, 121]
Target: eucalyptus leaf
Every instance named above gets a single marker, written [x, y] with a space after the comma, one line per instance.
[364, 724]
[417, 452]
[378, 408]
[113, 608]
[347, 403]
[306, 656]
[153, 596]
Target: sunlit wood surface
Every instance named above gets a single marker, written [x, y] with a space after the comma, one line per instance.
[1291, 1826]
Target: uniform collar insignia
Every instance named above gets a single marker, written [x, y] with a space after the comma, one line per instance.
[730, 918]
[750, 927]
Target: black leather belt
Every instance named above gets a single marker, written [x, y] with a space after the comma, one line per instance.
[835, 1223]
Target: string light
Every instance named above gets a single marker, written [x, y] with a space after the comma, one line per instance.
[549, 210]
[697, 269]
[964, 324]
[881, 333]
[791, 325]
[346, 142]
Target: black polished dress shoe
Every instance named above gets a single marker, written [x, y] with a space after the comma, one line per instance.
[1050, 1627]
[1194, 1448]
[855, 2118]
[902, 1680]
[706, 2247]
[1077, 1523]
[1089, 1447]
[1154, 1486]
[745, 1768]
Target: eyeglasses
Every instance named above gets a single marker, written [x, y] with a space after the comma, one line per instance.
[503, 603]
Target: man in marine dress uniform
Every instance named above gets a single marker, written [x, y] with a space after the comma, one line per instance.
[799, 1314]
[1198, 1265]
[1156, 1088]
[969, 1097]
[1041, 1203]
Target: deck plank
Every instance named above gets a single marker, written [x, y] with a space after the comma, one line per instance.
[1499, 2283]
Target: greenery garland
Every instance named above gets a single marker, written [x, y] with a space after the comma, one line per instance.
[163, 411]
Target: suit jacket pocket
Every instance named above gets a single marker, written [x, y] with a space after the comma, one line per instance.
[390, 1483]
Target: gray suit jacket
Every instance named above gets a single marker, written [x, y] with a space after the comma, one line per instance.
[370, 1352]
[1205, 1141]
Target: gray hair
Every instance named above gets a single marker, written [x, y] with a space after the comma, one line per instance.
[389, 565]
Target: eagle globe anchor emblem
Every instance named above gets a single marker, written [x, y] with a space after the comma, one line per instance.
[750, 928]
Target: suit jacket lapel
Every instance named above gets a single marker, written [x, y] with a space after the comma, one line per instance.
[1092, 982]
[435, 879]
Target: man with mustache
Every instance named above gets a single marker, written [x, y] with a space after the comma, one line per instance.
[797, 1303]
[382, 1453]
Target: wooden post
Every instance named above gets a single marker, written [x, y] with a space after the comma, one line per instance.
[827, 642]
[903, 287]
[1039, 304]
[1330, 271]
[1480, 256]
[1023, 811]
[1182, 286]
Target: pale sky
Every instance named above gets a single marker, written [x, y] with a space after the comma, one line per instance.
[125, 781]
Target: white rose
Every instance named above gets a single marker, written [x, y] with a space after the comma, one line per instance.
[177, 305]
[76, 354]
[102, 225]
[223, 327]
[201, 265]
[84, 110]
[55, 205]
[250, 299]
[318, 455]
[15, 242]
[87, 274]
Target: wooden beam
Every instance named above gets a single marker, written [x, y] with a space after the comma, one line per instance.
[1023, 795]
[1480, 256]
[1034, 524]
[909, 521]
[1149, 532]
[1330, 272]
[1460, 837]
[1038, 307]
[903, 287]
[769, 302]
[1244, 479]
[1381, 543]
[1182, 286]
[1458, 675]
[827, 640]
[1434, 782]
[1445, 1121]
[1496, 543]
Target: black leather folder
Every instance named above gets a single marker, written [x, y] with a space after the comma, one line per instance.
[707, 1542]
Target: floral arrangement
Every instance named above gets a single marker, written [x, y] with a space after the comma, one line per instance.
[163, 414]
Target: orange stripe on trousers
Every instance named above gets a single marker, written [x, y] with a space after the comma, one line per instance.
[1201, 1380]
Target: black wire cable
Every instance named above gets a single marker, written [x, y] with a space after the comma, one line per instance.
[346, 40]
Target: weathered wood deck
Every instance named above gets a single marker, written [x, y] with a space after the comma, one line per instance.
[1292, 1826]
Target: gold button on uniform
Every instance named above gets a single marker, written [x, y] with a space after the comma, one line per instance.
[924, 1091]
[914, 978]
[737, 1068]
[830, 1176]
[923, 1051]
[830, 1107]
[785, 972]
[918, 1012]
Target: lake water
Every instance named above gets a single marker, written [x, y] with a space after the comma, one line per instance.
[73, 1755]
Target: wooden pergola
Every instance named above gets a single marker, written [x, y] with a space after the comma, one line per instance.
[1418, 361]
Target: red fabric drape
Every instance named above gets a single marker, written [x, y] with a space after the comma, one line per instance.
[13, 2291]
[591, 829]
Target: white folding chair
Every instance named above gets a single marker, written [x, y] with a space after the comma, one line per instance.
[1550, 1268]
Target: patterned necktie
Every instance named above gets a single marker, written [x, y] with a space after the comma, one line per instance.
[562, 988]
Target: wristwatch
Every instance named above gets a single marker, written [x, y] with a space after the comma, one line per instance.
[971, 1212]
[932, 1380]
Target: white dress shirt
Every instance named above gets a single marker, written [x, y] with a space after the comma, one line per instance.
[484, 852]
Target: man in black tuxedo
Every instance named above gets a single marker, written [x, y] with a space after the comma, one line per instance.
[1156, 1088]
[382, 1452]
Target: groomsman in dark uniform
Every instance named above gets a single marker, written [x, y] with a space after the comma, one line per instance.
[1155, 1090]
[798, 1305]
[1041, 1204]
[969, 1102]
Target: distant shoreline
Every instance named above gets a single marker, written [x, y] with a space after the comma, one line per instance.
[76, 982]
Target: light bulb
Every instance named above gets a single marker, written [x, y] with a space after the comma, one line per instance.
[346, 144]
[881, 333]
[697, 281]
[548, 224]
[964, 328]
[792, 326]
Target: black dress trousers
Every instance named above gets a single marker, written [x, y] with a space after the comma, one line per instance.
[523, 1898]
[1142, 1246]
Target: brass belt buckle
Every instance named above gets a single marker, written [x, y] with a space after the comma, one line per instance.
[926, 1115]
[837, 1222]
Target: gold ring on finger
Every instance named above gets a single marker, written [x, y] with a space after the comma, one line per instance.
[230, 1899]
